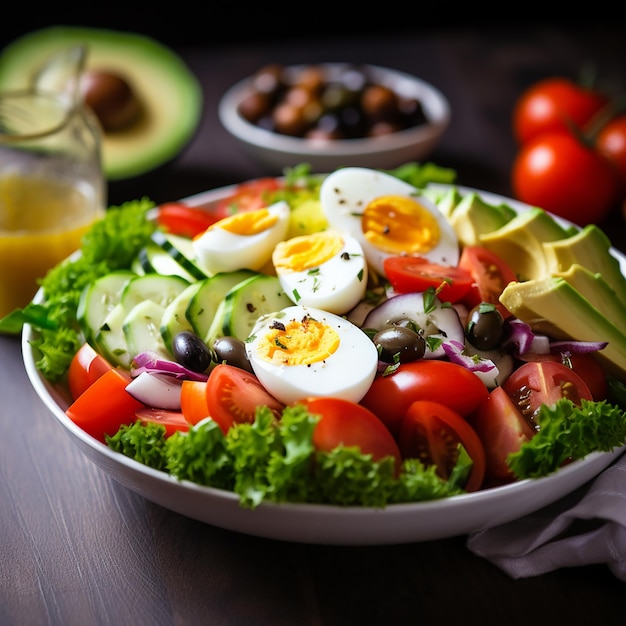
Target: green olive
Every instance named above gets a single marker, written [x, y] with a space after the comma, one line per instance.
[484, 328]
[399, 343]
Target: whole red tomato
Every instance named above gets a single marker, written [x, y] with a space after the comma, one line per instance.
[554, 104]
[558, 173]
[611, 141]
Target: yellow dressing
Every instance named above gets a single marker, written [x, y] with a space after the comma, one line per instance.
[41, 222]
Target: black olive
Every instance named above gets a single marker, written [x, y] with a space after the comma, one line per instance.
[232, 351]
[485, 326]
[191, 352]
[399, 343]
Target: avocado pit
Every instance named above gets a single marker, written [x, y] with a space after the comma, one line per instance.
[111, 97]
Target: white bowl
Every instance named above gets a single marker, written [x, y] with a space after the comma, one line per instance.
[278, 151]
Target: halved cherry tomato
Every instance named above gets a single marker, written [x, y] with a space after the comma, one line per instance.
[85, 368]
[490, 275]
[544, 382]
[553, 104]
[248, 196]
[104, 406]
[416, 274]
[233, 394]
[171, 420]
[432, 432]
[389, 397]
[193, 404]
[180, 219]
[584, 364]
[349, 424]
[559, 173]
[502, 429]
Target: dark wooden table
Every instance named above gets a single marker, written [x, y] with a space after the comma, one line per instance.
[76, 548]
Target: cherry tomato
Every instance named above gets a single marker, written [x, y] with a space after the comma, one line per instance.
[193, 402]
[85, 368]
[179, 219]
[556, 172]
[585, 365]
[490, 275]
[544, 382]
[432, 432]
[390, 396]
[502, 430]
[611, 141]
[248, 196]
[416, 274]
[233, 394]
[104, 406]
[552, 105]
[171, 420]
[349, 424]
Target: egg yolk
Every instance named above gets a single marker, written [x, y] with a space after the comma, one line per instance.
[400, 225]
[299, 342]
[247, 223]
[305, 252]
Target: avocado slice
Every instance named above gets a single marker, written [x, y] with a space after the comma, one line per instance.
[519, 243]
[170, 94]
[589, 247]
[472, 217]
[554, 307]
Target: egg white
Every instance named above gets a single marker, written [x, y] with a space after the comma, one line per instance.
[335, 285]
[348, 373]
[220, 250]
[346, 192]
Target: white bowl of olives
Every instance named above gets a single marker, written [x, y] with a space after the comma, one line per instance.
[331, 115]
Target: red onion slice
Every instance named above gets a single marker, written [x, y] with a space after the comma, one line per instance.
[154, 362]
[159, 391]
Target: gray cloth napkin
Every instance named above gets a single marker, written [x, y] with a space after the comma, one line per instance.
[586, 527]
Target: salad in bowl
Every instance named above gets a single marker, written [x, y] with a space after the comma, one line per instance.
[365, 348]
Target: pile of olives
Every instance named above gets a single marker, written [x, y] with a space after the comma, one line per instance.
[313, 106]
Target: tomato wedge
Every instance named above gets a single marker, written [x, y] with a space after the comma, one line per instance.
[171, 420]
[193, 403]
[409, 274]
[233, 394]
[544, 382]
[502, 429]
[349, 424]
[85, 368]
[490, 275]
[104, 406]
[432, 432]
[389, 397]
[248, 196]
[180, 219]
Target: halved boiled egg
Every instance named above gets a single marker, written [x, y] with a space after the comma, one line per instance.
[300, 352]
[326, 270]
[242, 241]
[387, 216]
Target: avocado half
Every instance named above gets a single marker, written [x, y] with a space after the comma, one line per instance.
[170, 95]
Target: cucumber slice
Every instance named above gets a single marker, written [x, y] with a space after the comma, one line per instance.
[204, 304]
[142, 329]
[247, 301]
[154, 260]
[175, 318]
[180, 249]
[159, 289]
[98, 299]
[110, 340]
